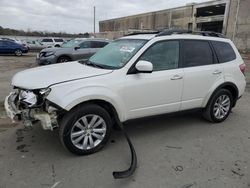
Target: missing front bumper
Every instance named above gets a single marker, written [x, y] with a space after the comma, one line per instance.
[28, 116]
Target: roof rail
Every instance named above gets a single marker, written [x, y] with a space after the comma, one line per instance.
[143, 32]
[183, 31]
[173, 31]
[166, 32]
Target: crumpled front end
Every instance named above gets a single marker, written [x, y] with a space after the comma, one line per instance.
[31, 106]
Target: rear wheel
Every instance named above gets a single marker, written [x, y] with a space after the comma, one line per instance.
[85, 129]
[219, 106]
[18, 52]
[63, 59]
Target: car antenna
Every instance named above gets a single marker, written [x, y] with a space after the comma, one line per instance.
[133, 164]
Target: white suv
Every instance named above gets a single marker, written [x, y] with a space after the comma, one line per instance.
[135, 76]
[52, 42]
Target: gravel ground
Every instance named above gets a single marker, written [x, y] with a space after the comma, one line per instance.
[178, 150]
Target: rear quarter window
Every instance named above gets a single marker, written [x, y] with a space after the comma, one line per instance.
[224, 51]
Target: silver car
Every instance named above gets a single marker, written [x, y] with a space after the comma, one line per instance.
[75, 49]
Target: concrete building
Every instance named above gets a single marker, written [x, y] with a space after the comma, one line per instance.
[231, 17]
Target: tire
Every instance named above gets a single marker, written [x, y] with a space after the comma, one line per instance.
[63, 59]
[58, 46]
[219, 106]
[74, 133]
[18, 52]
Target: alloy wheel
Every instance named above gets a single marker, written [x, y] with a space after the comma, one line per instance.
[88, 132]
[221, 106]
[18, 52]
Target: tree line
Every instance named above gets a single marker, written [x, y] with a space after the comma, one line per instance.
[8, 31]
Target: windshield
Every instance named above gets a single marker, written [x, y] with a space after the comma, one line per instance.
[116, 54]
[71, 43]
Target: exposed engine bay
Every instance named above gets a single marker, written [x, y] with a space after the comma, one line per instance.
[31, 106]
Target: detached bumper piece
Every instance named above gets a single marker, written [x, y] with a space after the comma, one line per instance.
[10, 107]
[133, 164]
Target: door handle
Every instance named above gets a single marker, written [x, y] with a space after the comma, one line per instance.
[217, 72]
[176, 77]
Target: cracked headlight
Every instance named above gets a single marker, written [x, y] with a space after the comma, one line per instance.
[28, 97]
[49, 54]
[45, 92]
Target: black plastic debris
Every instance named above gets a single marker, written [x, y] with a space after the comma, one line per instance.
[133, 164]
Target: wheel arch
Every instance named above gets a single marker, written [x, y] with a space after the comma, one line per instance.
[109, 107]
[230, 87]
[63, 55]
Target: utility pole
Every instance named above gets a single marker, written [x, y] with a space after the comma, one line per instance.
[94, 20]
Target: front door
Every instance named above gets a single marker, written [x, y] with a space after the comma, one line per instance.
[157, 92]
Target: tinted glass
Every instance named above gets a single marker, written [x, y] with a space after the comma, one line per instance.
[85, 44]
[1, 43]
[197, 53]
[163, 55]
[58, 40]
[224, 51]
[47, 40]
[98, 44]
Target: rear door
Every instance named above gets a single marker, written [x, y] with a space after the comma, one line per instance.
[201, 72]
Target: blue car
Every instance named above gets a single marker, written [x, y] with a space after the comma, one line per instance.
[10, 47]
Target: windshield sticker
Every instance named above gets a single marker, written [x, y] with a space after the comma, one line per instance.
[127, 49]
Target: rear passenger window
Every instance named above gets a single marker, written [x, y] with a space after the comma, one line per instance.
[97, 44]
[224, 51]
[197, 53]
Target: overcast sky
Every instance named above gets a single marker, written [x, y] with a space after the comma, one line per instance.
[74, 16]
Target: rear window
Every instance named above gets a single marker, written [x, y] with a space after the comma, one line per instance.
[197, 53]
[47, 40]
[58, 40]
[224, 51]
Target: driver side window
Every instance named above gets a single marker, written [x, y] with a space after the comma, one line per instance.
[163, 55]
[85, 44]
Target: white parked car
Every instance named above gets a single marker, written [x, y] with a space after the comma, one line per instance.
[133, 77]
[52, 42]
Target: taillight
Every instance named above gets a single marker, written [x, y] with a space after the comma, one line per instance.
[243, 68]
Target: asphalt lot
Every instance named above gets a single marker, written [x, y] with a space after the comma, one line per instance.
[177, 150]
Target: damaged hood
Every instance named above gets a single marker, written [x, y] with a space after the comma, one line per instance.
[42, 77]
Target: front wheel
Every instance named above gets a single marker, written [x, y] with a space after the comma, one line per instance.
[219, 106]
[63, 59]
[18, 52]
[85, 129]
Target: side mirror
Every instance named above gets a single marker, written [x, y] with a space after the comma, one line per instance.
[77, 47]
[144, 66]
